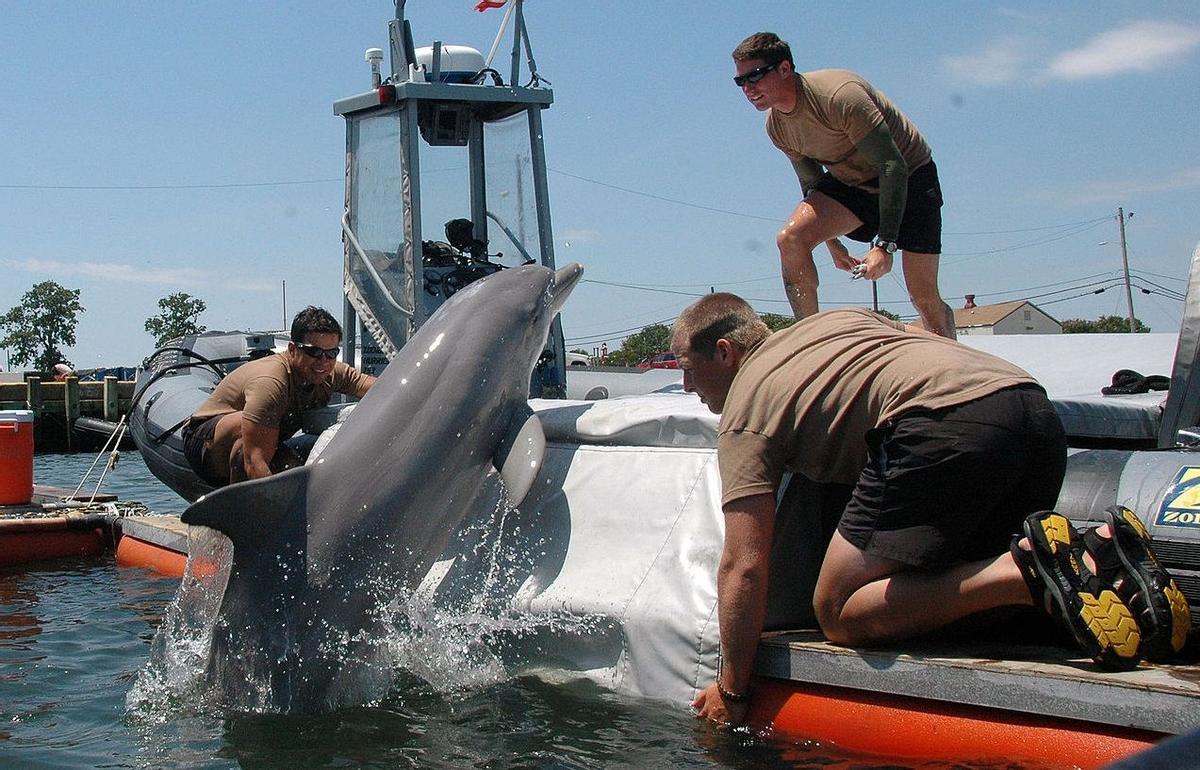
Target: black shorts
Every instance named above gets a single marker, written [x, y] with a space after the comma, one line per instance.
[196, 438]
[921, 227]
[953, 485]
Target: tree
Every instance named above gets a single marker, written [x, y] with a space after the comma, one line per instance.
[177, 316]
[775, 322]
[1106, 324]
[45, 319]
[888, 314]
[654, 338]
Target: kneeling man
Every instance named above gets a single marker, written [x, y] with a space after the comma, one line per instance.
[948, 450]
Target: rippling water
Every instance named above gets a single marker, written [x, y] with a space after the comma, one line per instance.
[74, 634]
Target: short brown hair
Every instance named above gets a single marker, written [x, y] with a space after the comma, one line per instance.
[766, 46]
[719, 316]
[314, 320]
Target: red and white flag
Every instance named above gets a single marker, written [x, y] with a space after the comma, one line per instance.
[487, 5]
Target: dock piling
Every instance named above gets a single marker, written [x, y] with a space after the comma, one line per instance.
[111, 399]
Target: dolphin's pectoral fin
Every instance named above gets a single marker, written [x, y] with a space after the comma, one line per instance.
[519, 456]
[253, 513]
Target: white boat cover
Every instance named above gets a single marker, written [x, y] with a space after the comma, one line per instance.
[1072, 367]
[641, 588]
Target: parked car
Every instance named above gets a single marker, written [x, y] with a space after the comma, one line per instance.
[578, 359]
[665, 360]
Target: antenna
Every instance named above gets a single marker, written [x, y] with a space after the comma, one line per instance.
[374, 56]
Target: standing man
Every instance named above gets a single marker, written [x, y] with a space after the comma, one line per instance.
[238, 433]
[865, 171]
[949, 450]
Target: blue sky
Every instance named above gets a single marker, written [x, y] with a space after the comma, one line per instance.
[149, 147]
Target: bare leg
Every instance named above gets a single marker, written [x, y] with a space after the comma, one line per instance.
[921, 278]
[861, 599]
[816, 220]
[226, 435]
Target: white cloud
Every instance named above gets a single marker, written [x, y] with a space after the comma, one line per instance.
[1141, 46]
[1110, 191]
[1001, 62]
[108, 271]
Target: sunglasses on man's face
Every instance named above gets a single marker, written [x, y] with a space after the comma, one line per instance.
[315, 351]
[755, 75]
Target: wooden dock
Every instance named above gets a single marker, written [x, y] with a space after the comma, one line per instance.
[57, 406]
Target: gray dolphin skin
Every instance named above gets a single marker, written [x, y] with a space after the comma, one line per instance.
[321, 553]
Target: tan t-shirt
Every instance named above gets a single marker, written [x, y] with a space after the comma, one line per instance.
[269, 393]
[804, 399]
[835, 110]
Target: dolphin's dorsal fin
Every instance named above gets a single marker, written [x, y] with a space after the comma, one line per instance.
[519, 456]
[253, 513]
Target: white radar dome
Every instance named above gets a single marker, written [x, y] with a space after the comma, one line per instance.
[459, 63]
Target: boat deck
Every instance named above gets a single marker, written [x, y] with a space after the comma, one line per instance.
[1025, 679]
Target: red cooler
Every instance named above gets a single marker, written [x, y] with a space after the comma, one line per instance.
[16, 457]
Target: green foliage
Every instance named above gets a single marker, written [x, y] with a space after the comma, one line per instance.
[654, 338]
[45, 319]
[1106, 324]
[177, 316]
[888, 314]
[775, 322]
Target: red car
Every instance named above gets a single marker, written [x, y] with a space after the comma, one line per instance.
[660, 361]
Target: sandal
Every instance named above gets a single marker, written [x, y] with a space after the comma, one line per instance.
[1126, 560]
[1102, 624]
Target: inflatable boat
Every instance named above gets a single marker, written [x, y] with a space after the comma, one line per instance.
[172, 383]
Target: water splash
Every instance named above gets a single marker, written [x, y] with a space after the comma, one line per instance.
[466, 626]
[171, 682]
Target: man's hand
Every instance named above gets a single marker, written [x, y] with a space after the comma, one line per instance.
[711, 706]
[841, 255]
[878, 264]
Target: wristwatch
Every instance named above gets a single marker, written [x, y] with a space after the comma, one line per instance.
[888, 246]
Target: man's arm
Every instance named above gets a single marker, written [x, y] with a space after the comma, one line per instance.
[881, 152]
[741, 602]
[367, 381]
[259, 444]
[808, 171]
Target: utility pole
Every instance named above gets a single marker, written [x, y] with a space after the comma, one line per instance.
[1125, 265]
[285, 321]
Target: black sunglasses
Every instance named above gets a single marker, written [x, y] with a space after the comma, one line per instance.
[753, 76]
[313, 351]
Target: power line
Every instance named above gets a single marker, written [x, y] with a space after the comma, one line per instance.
[1045, 285]
[220, 186]
[617, 333]
[665, 199]
[1159, 275]
[1024, 245]
[589, 180]
[1104, 218]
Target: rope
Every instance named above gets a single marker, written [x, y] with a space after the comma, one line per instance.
[117, 434]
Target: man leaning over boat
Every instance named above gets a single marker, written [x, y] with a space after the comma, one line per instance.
[949, 452]
[239, 432]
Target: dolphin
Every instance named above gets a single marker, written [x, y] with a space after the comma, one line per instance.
[321, 553]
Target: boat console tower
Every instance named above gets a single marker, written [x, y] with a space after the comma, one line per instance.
[442, 142]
